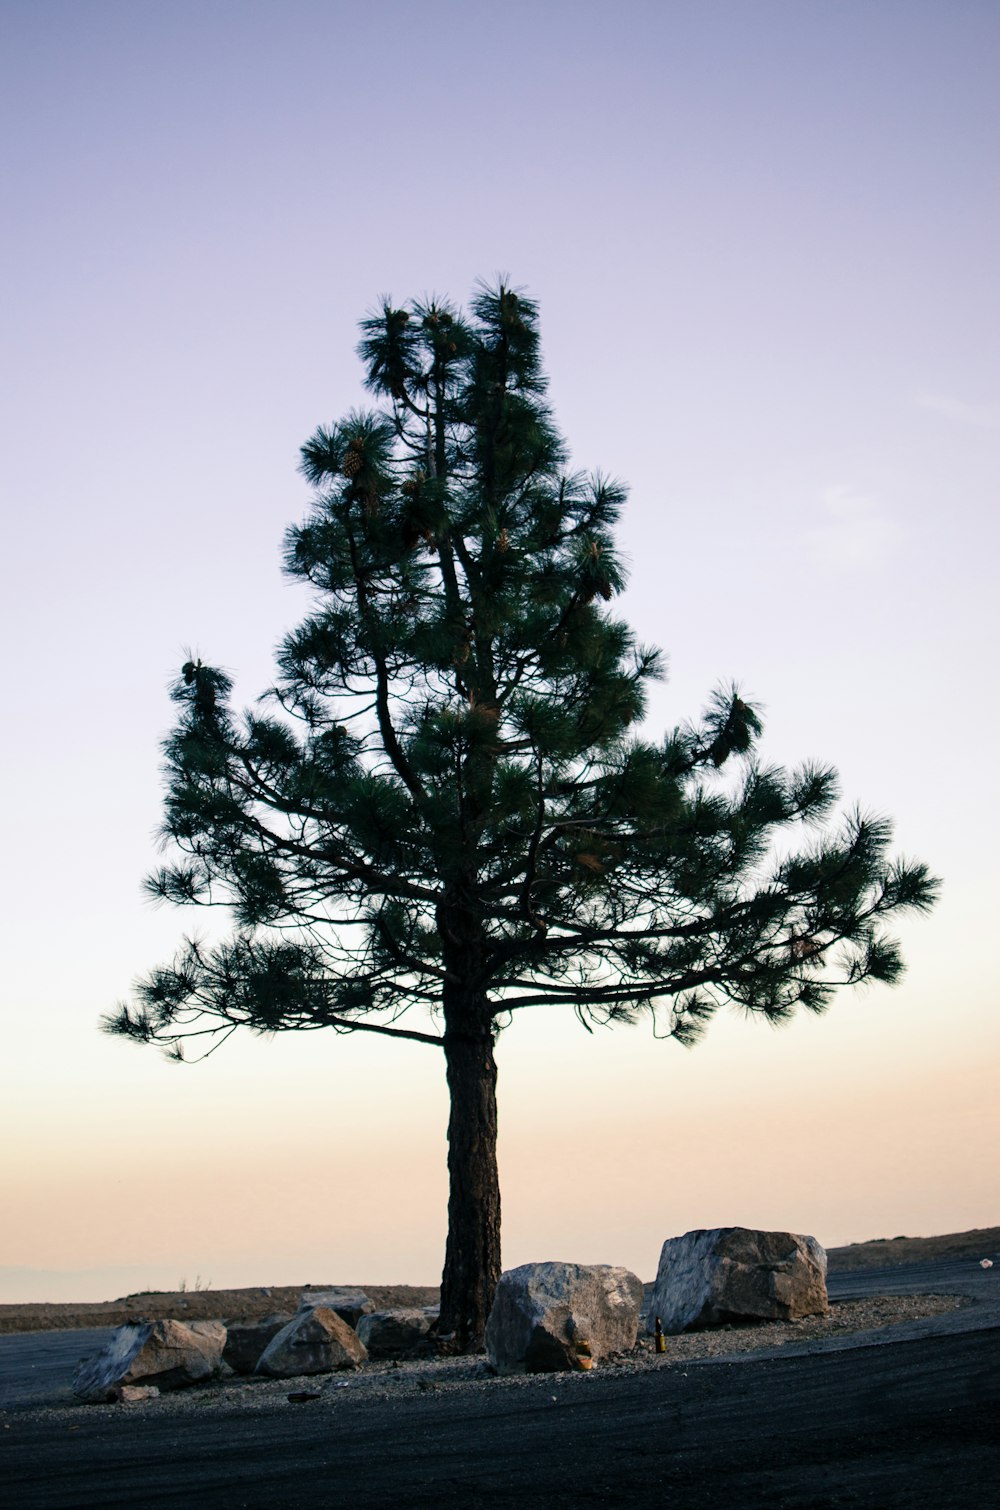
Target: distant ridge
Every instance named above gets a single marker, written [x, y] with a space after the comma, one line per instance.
[883, 1252]
[246, 1305]
[254, 1303]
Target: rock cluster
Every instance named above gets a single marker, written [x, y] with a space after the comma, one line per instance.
[547, 1317]
[141, 1360]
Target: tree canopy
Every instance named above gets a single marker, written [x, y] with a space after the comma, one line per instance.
[446, 810]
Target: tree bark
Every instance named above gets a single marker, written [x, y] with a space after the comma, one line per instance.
[472, 1254]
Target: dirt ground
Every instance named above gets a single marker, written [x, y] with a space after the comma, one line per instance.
[195, 1305]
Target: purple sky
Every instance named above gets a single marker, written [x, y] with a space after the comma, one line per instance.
[764, 239]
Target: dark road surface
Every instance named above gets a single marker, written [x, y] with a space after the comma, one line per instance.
[902, 1424]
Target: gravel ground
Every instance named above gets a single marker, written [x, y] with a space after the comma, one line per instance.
[390, 1381]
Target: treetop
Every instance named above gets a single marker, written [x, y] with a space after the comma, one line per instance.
[449, 789]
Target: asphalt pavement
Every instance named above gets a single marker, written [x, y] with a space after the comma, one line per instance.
[37, 1368]
[908, 1423]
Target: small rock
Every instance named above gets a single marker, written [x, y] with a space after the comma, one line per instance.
[552, 1317]
[246, 1343]
[398, 1334]
[134, 1394]
[350, 1305]
[315, 1341]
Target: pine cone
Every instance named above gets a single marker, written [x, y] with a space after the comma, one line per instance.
[353, 460]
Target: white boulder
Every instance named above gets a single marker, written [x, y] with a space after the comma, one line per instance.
[723, 1274]
[164, 1354]
[554, 1317]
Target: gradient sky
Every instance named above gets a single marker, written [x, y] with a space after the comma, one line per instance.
[764, 239]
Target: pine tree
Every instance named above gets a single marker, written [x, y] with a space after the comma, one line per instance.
[445, 807]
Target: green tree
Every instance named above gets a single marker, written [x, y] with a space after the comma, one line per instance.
[443, 807]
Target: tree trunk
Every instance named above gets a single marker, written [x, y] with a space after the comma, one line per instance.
[472, 1255]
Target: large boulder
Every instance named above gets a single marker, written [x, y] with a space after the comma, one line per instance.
[707, 1278]
[398, 1334]
[350, 1305]
[246, 1341]
[164, 1354]
[315, 1341]
[553, 1317]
